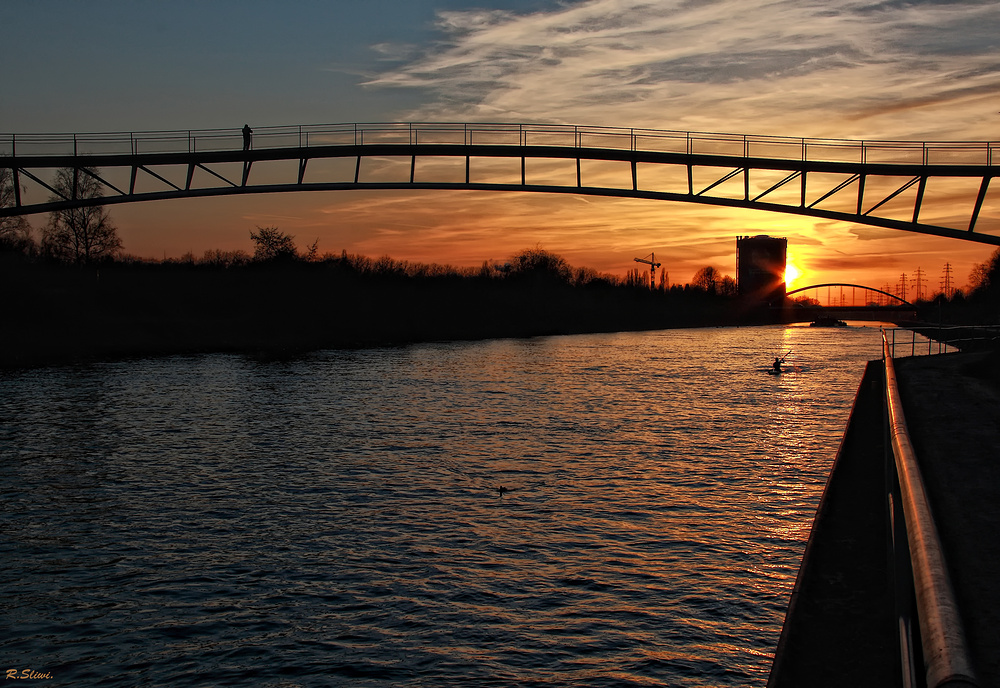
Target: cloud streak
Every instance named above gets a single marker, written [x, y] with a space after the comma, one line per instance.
[841, 69]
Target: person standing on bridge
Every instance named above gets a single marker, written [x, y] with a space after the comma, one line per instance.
[247, 134]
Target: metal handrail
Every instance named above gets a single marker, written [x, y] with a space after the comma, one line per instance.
[946, 658]
[929, 153]
[909, 346]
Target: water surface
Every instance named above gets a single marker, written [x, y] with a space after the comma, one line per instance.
[337, 519]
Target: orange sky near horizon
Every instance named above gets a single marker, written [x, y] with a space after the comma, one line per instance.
[840, 69]
[600, 233]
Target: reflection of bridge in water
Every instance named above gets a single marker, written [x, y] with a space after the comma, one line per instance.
[889, 184]
[873, 304]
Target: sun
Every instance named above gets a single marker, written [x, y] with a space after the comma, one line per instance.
[792, 273]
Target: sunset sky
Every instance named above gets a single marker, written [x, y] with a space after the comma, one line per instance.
[917, 70]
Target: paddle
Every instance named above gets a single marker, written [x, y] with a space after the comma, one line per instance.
[785, 356]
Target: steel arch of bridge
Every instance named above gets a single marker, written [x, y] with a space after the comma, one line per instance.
[728, 158]
[902, 302]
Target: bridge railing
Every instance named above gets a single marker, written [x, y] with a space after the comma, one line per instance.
[501, 134]
[927, 340]
[922, 582]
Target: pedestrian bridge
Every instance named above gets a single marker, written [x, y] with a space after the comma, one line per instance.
[888, 184]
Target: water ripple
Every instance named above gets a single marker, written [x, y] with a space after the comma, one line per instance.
[337, 519]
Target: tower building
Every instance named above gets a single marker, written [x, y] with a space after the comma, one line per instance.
[760, 267]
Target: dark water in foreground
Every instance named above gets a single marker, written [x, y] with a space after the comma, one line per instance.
[335, 520]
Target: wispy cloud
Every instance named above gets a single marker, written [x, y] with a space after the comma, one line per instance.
[841, 68]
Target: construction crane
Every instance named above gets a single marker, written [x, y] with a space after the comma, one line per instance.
[651, 262]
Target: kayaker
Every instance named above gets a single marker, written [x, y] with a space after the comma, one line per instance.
[776, 365]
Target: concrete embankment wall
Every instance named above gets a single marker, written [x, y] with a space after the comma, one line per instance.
[839, 629]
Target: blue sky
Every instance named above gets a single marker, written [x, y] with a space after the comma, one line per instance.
[914, 70]
[113, 65]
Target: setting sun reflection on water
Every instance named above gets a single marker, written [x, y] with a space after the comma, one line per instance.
[337, 519]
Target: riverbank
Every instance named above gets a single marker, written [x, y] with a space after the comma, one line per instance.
[839, 628]
[69, 315]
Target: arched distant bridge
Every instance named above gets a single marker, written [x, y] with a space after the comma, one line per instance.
[897, 301]
[877, 183]
[897, 310]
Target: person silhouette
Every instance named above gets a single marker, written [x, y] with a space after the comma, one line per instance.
[247, 133]
[776, 365]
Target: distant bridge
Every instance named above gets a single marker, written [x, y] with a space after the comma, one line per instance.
[875, 183]
[898, 310]
[897, 301]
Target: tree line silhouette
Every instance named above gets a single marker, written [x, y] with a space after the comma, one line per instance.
[279, 300]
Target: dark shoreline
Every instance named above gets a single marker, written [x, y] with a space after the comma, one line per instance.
[58, 315]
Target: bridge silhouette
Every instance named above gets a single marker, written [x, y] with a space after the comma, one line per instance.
[875, 183]
[898, 301]
[898, 309]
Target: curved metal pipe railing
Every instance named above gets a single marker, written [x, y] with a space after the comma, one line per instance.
[976, 153]
[946, 658]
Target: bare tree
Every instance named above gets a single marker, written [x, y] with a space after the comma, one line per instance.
[15, 232]
[79, 235]
[727, 286]
[986, 276]
[707, 279]
[271, 244]
[539, 264]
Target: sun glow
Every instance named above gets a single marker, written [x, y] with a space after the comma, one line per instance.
[792, 273]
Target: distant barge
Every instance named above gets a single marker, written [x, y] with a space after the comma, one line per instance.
[827, 322]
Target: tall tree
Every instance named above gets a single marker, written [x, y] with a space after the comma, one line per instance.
[15, 232]
[79, 235]
[707, 279]
[271, 244]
